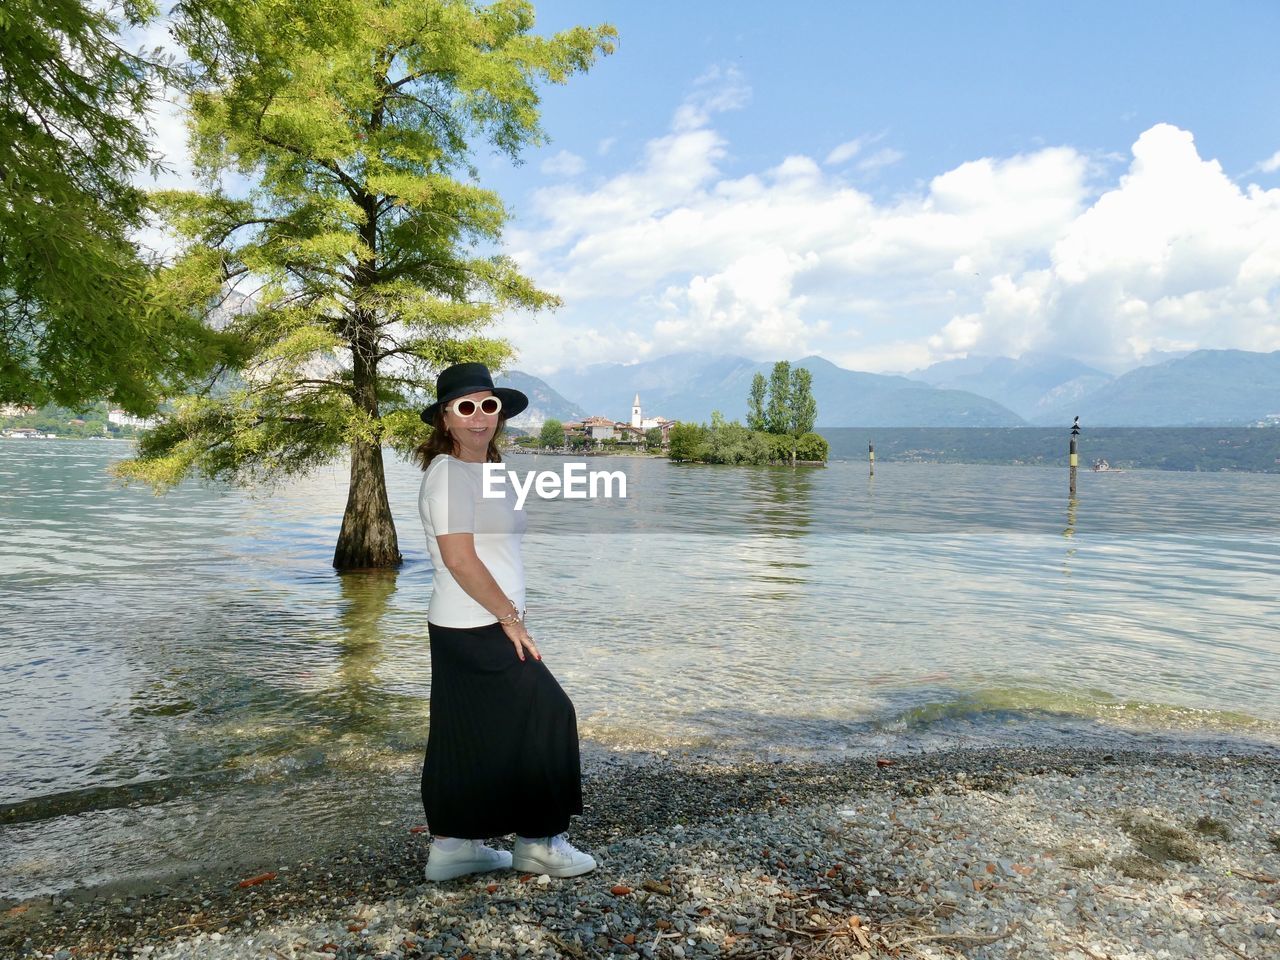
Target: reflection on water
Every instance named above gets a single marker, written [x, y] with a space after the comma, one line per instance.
[186, 677]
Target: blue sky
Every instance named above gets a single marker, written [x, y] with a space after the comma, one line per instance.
[942, 82]
[892, 184]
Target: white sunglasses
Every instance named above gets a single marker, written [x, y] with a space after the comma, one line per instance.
[466, 407]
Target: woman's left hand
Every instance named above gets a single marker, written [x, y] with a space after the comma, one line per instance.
[518, 635]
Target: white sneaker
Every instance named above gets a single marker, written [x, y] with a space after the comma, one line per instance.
[471, 856]
[554, 856]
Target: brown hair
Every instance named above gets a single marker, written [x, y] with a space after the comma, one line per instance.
[440, 442]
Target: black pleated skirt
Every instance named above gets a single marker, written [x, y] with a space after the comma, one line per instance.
[502, 749]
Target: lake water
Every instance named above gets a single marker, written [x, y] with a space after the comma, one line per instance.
[185, 679]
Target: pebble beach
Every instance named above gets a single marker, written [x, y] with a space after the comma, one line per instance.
[1012, 853]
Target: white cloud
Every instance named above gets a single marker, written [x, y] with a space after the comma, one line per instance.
[844, 152]
[1271, 164]
[752, 303]
[850, 149]
[1045, 250]
[719, 89]
[1175, 256]
[563, 164]
[886, 157]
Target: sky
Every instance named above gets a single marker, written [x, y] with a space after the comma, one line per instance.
[889, 185]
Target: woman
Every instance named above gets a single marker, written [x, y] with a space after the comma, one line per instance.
[502, 751]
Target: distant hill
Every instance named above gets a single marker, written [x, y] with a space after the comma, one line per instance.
[681, 386]
[1204, 388]
[850, 399]
[544, 402]
[1038, 387]
[689, 386]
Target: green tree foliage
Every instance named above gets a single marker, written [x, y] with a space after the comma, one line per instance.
[755, 403]
[687, 441]
[78, 318]
[653, 438]
[729, 442]
[733, 443]
[791, 409]
[777, 415]
[804, 409]
[552, 435]
[812, 447]
[361, 247]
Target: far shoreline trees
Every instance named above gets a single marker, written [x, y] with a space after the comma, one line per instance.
[551, 436]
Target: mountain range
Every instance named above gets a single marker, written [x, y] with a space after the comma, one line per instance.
[1203, 388]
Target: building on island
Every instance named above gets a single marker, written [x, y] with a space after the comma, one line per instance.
[122, 419]
[640, 422]
[597, 429]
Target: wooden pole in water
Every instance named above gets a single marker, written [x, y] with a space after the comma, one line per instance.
[871, 457]
[1075, 458]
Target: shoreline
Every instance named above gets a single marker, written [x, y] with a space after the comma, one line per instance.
[964, 852]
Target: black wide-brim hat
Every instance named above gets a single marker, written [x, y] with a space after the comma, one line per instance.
[464, 378]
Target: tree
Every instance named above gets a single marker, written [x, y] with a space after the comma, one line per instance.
[803, 408]
[356, 259]
[791, 409]
[730, 442]
[551, 435]
[812, 447]
[78, 319]
[755, 403]
[777, 417]
[653, 438]
[686, 441]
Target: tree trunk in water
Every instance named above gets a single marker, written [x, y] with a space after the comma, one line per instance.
[368, 536]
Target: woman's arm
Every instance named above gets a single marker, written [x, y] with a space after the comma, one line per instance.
[458, 550]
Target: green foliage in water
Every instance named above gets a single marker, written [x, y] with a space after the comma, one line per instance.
[729, 442]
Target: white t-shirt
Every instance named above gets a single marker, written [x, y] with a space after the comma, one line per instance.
[452, 500]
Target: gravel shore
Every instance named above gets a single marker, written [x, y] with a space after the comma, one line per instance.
[988, 854]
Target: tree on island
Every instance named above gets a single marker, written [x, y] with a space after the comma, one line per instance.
[803, 408]
[653, 438]
[780, 417]
[552, 435]
[791, 409]
[356, 254]
[777, 413]
[79, 319]
[686, 441]
[755, 404]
